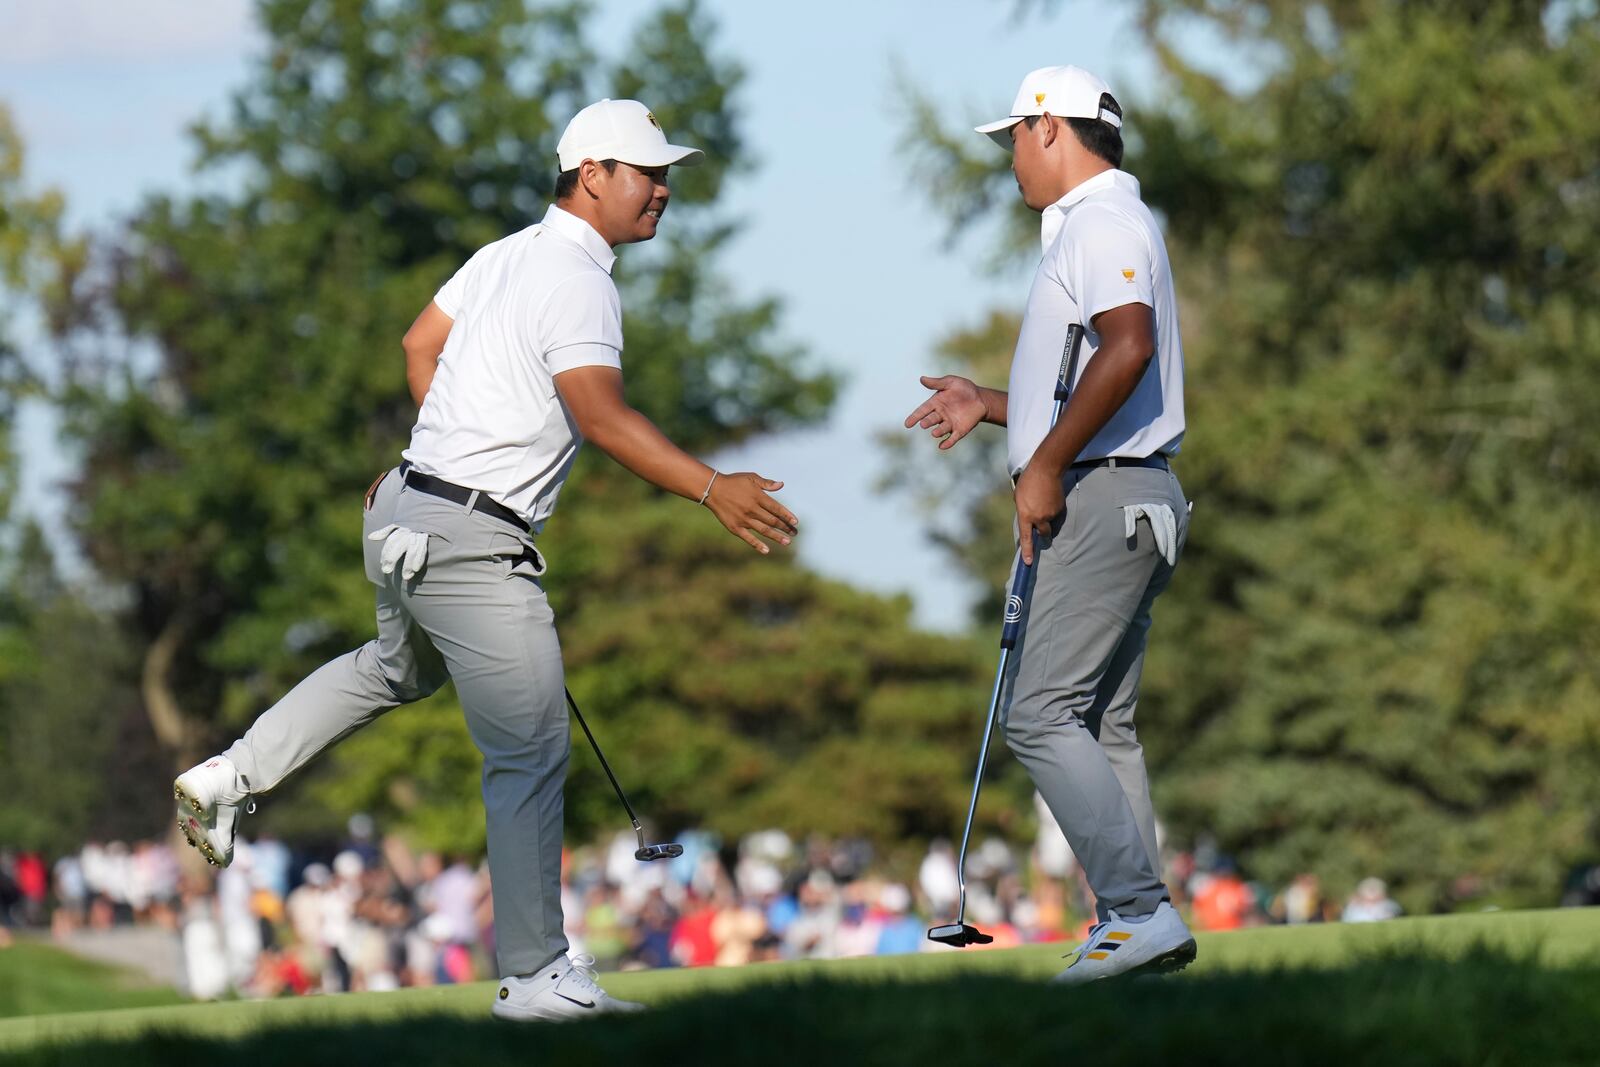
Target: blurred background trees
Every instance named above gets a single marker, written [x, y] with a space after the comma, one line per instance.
[1379, 657]
[230, 371]
[1383, 650]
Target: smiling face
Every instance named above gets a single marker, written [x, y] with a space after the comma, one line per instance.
[629, 201]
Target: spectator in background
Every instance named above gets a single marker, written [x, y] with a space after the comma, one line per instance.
[692, 944]
[652, 938]
[938, 879]
[205, 959]
[10, 893]
[1300, 902]
[273, 862]
[33, 882]
[1223, 901]
[304, 912]
[1370, 903]
[901, 931]
[812, 933]
[740, 924]
[860, 921]
[241, 930]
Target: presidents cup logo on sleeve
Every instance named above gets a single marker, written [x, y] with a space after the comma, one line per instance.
[1127, 275]
[1013, 609]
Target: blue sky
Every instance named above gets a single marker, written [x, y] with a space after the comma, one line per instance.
[103, 94]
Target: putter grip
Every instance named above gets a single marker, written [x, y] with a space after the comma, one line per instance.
[1013, 616]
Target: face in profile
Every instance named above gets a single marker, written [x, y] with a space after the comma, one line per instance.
[1029, 158]
[631, 202]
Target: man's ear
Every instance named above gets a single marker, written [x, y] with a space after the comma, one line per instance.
[1052, 128]
[590, 175]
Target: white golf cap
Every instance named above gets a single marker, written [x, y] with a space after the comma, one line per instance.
[1065, 92]
[623, 130]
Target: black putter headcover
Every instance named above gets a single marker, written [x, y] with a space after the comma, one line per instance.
[960, 935]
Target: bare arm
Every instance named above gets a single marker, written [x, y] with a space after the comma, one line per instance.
[740, 502]
[956, 407]
[1127, 344]
[423, 343]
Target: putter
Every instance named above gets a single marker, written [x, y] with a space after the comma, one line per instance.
[645, 853]
[959, 934]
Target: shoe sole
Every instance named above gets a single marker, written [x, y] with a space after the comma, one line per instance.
[193, 829]
[1169, 962]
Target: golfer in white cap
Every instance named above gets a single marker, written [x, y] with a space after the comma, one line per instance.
[514, 363]
[1099, 494]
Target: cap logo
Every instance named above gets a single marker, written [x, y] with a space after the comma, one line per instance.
[652, 120]
[1038, 98]
[1127, 274]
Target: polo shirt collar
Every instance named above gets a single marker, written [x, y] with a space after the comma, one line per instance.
[580, 233]
[1055, 216]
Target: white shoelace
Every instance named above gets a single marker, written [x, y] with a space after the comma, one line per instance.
[583, 973]
[1094, 932]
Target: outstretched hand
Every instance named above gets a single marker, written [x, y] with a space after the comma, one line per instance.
[740, 502]
[951, 412]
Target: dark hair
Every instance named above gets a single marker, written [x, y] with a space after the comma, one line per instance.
[1100, 138]
[567, 180]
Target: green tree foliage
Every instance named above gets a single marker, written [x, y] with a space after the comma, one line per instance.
[1380, 655]
[60, 701]
[375, 147]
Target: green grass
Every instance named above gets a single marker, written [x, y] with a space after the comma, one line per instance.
[36, 978]
[1504, 988]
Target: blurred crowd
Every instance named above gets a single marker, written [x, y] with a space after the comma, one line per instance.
[372, 913]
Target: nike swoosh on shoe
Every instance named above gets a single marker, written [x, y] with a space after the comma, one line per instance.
[573, 1000]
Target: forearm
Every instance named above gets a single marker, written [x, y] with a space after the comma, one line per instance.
[995, 402]
[635, 442]
[1105, 386]
[420, 368]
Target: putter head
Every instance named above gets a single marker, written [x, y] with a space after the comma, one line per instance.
[958, 935]
[670, 851]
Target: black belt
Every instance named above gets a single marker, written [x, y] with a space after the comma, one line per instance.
[1155, 462]
[460, 494]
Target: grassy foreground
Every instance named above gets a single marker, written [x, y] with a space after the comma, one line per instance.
[37, 978]
[1483, 989]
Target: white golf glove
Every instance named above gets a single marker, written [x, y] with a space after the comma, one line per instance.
[1163, 527]
[400, 543]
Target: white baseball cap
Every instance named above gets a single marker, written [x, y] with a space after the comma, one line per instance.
[1065, 92]
[623, 130]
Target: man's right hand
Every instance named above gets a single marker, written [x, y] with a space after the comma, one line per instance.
[740, 502]
[955, 407]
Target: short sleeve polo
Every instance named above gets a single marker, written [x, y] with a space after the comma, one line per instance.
[1103, 250]
[525, 309]
[580, 324]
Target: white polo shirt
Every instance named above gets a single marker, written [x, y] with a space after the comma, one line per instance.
[1102, 249]
[525, 308]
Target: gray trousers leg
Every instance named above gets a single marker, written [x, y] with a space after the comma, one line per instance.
[475, 614]
[480, 603]
[344, 694]
[1074, 679]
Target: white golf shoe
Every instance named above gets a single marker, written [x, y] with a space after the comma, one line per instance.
[209, 796]
[566, 989]
[1160, 944]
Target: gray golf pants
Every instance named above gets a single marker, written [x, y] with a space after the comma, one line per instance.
[475, 614]
[1074, 680]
